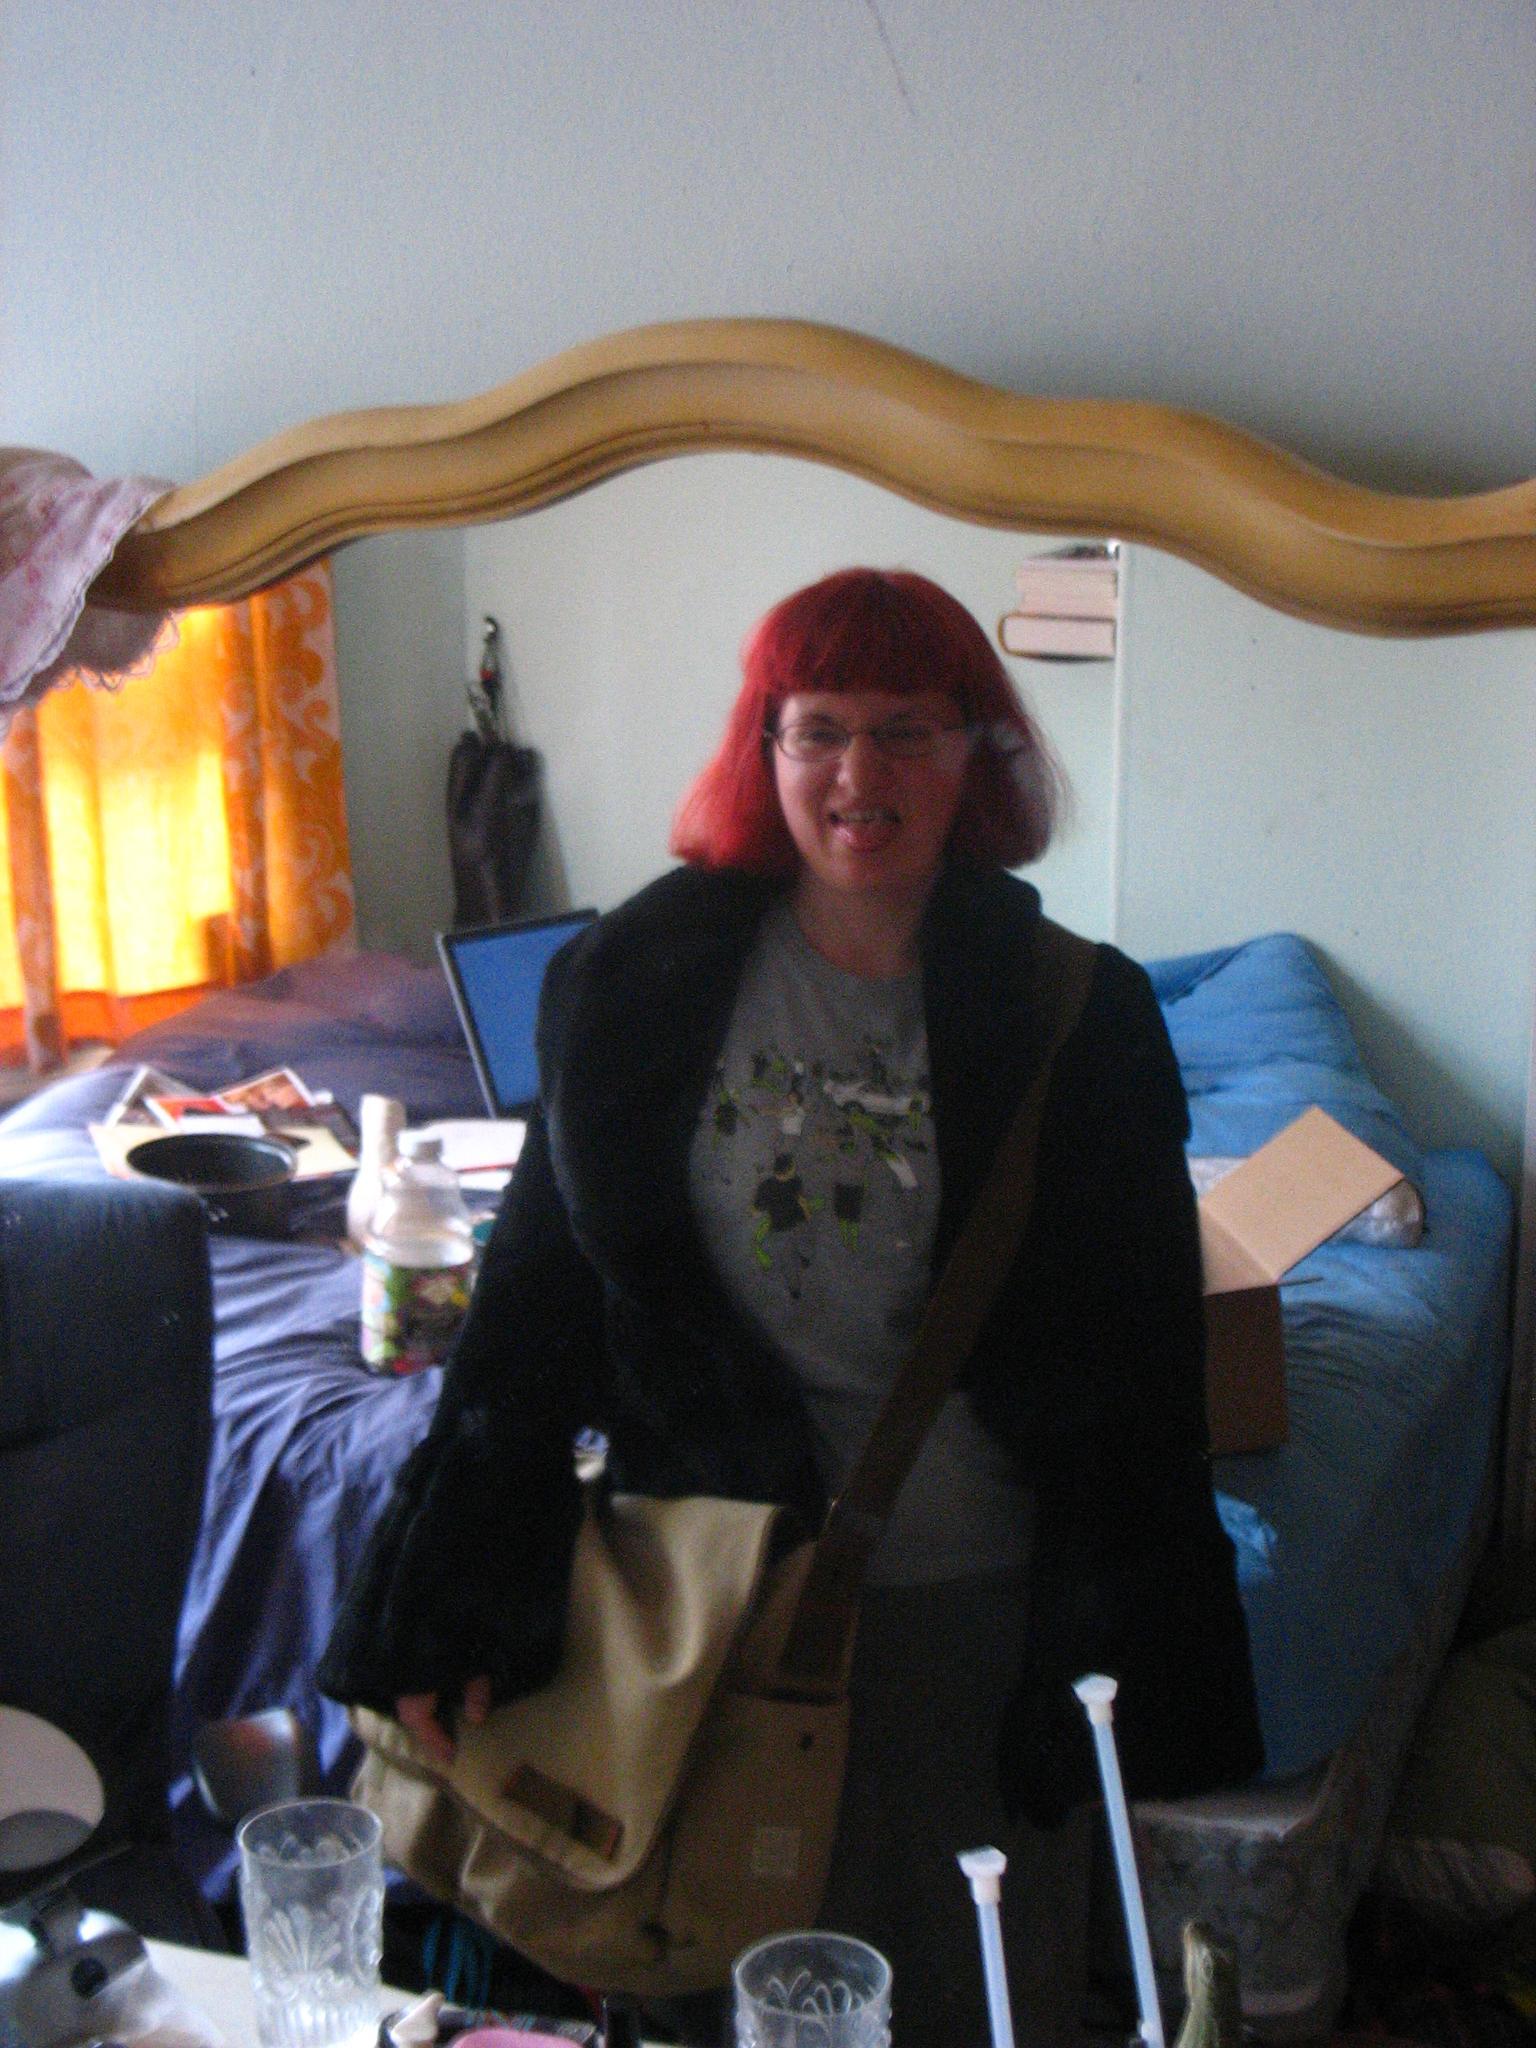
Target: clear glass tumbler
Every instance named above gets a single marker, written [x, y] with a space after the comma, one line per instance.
[312, 1895]
[812, 1990]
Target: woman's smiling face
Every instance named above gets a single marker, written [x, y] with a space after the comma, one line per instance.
[862, 821]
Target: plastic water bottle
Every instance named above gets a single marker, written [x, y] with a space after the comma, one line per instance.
[418, 1261]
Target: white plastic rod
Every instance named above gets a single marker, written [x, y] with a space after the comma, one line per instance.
[1098, 1695]
[984, 1868]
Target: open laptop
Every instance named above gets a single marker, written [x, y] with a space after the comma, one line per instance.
[495, 972]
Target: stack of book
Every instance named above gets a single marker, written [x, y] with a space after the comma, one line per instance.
[1068, 607]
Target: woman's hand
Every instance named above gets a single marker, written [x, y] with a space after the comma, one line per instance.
[417, 1714]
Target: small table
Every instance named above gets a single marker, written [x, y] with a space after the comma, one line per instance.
[221, 1986]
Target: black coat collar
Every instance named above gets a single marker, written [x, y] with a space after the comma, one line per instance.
[639, 1005]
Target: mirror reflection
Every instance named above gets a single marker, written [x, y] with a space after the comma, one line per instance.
[1234, 771]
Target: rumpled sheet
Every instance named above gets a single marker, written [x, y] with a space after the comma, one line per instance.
[59, 527]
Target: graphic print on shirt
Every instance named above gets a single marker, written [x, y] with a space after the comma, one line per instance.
[810, 1138]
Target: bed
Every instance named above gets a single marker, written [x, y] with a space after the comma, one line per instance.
[1351, 1539]
[1356, 1539]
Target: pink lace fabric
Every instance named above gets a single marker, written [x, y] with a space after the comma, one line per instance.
[59, 526]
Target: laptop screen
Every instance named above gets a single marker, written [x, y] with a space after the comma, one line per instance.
[495, 972]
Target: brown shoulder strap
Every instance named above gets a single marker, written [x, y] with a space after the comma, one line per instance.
[823, 1623]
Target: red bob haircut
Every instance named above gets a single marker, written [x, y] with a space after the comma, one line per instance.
[872, 629]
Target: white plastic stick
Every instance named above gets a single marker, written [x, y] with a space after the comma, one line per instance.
[1097, 1695]
[984, 1868]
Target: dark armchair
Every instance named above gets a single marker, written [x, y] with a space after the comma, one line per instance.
[105, 1373]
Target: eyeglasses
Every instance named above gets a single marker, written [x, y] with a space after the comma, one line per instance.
[902, 738]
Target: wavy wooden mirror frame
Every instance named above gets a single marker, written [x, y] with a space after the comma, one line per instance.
[1264, 521]
[1274, 526]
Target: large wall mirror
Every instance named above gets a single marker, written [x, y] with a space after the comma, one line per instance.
[1319, 718]
[1305, 727]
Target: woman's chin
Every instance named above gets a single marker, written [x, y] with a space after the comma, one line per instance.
[871, 877]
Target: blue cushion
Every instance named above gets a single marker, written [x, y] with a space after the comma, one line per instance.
[1260, 1036]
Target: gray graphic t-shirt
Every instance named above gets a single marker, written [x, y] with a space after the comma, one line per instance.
[816, 1184]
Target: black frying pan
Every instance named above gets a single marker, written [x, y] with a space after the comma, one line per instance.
[242, 1181]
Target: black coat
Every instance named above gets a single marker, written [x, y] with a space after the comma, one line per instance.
[596, 1306]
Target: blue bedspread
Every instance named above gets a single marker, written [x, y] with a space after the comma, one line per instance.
[1395, 1359]
[1394, 1374]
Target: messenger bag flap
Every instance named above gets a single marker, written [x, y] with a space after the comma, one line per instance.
[581, 1774]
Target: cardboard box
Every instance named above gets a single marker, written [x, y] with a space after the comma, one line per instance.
[1255, 1224]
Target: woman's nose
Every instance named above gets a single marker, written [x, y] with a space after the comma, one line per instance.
[862, 758]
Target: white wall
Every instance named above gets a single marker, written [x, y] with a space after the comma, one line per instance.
[1308, 216]
[1373, 795]
[400, 674]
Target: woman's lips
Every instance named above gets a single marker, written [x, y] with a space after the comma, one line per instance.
[865, 830]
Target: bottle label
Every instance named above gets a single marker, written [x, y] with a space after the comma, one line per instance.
[411, 1314]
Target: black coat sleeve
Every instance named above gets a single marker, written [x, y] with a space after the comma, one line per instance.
[1099, 1383]
[467, 1571]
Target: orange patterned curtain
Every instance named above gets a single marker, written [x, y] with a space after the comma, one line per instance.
[183, 833]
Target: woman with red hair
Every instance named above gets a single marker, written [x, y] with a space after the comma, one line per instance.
[771, 1086]
[864, 630]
